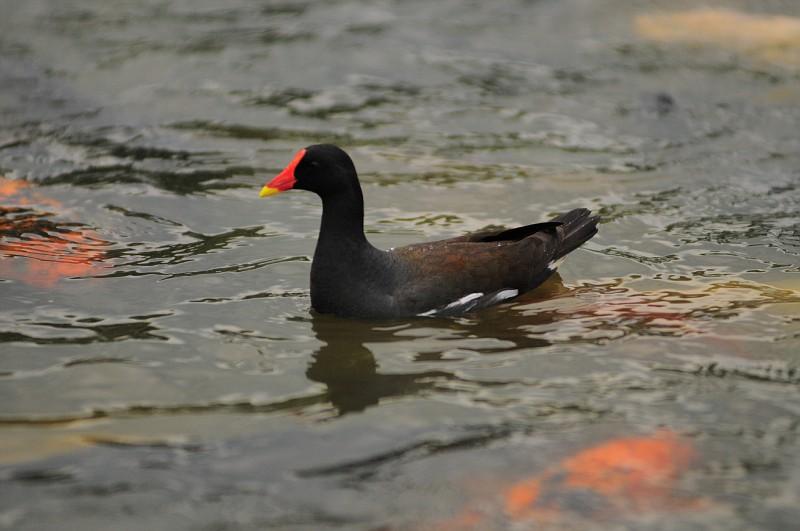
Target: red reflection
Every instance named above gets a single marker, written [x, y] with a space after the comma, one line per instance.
[37, 250]
[624, 477]
[692, 311]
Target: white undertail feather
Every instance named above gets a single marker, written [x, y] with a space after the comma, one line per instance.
[553, 265]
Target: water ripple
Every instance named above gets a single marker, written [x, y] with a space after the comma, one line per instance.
[172, 254]
[777, 372]
[616, 311]
[53, 333]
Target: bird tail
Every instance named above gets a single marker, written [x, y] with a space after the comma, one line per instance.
[577, 227]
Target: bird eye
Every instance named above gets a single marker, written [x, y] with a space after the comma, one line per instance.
[315, 163]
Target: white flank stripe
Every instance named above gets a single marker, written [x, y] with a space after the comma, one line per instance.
[505, 294]
[463, 301]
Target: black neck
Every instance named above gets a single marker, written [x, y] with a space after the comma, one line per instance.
[342, 219]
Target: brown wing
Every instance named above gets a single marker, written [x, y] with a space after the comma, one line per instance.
[442, 272]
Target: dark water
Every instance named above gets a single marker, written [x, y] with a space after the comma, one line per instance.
[161, 369]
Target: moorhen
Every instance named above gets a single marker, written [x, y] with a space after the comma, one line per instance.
[351, 278]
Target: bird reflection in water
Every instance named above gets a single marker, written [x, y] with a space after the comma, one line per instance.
[350, 371]
[35, 247]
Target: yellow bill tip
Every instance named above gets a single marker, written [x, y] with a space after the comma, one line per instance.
[267, 191]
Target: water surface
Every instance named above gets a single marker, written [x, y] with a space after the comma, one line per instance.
[160, 364]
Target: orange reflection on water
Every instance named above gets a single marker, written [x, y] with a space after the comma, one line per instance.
[37, 250]
[697, 309]
[11, 187]
[628, 476]
[771, 38]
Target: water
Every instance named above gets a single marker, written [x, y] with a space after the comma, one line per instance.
[160, 366]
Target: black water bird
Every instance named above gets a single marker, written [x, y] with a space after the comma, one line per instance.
[352, 278]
